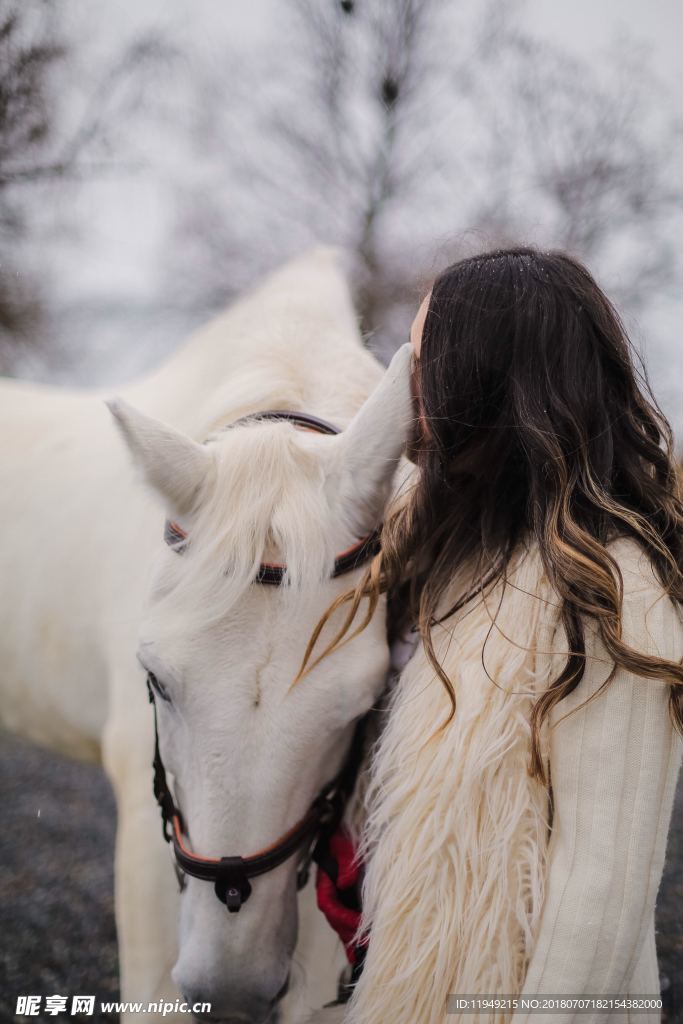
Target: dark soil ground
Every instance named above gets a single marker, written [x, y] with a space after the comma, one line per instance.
[57, 934]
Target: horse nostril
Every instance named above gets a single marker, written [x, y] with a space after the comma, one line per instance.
[283, 991]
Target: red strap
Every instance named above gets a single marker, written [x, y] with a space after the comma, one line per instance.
[344, 920]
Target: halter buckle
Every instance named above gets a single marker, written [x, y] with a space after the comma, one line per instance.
[232, 885]
[330, 806]
[303, 872]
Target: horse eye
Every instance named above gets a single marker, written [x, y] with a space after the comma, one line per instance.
[158, 687]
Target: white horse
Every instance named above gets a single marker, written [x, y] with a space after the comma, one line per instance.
[83, 554]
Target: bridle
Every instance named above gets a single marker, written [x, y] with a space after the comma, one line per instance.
[230, 875]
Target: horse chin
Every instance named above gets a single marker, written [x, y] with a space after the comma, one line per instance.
[270, 1015]
[273, 1018]
[273, 1015]
[235, 1007]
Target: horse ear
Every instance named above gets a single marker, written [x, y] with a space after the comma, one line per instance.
[372, 444]
[173, 464]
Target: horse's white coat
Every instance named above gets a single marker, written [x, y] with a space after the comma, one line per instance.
[83, 546]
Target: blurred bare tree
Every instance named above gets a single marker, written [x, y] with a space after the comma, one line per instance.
[39, 146]
[410, 136]
[313, 149]
[598, 147]
[25, 123]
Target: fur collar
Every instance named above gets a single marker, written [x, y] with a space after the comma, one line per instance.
[456, 834]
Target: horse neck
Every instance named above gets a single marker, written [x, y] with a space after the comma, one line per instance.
[212, 381]
[295, 341]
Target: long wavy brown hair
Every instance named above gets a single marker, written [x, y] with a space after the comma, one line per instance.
[538, 425]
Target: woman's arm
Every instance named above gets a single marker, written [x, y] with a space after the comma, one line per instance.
[614, 765]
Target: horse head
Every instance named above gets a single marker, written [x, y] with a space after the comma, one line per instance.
[246, 750]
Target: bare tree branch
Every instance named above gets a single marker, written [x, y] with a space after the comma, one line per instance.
[401, 132]
[35, 148]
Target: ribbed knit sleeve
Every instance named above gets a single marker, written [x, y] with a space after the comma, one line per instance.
[614, 764]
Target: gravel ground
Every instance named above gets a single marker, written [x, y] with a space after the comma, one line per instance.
[57, 931]
[56, 886]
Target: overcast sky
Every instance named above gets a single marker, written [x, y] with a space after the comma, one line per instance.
[119, 252]
[128, 217]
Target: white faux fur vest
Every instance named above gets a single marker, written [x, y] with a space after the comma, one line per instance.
[456, 838]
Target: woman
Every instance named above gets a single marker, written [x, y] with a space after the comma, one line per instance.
[522, 787]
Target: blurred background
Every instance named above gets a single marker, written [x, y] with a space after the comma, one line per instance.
[158, 158]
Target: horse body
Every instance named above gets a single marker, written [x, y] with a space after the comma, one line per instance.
[60, 468]
[83, 543]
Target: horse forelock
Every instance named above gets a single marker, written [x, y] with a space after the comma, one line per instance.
[265, 500]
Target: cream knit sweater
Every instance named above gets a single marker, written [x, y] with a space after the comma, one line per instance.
[470, 889]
